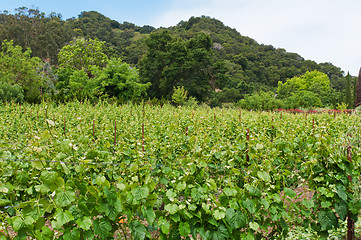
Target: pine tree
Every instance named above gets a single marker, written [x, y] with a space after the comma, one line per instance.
[348, 94]
[358, 90]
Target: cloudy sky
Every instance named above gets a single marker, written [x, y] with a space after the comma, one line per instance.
[319, 30]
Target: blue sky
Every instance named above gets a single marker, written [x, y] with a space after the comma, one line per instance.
[319, 30]
[138, 12]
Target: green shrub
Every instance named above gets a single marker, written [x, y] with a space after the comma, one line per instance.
[11, 93]
[302, 99]
[179, 96]
[260, 101]
[192, 102]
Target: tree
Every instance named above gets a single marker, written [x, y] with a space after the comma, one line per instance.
[30, 28]
[348, 94]
[172, 62]
[303, 99]
[85, 72]
[18, 68]
[80, 62]
[81, 54]
[358, 90]
[120, 80]
[154, 61]
[315, 82]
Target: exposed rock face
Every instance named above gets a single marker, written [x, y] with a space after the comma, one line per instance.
[358, 90]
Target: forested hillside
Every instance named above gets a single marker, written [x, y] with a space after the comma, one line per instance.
[214, 63]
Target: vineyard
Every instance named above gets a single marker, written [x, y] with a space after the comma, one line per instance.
[79, 171]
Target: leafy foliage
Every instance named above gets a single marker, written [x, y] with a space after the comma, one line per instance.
[179, 96]
[261, 101]
[119, 79]
[11, 93]
[85, 72]
[215, 63]
[89, 181]
[172, 62]
[19, 70]
[314, 81]
[81, 54]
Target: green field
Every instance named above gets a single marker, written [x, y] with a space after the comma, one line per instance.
[79, 171]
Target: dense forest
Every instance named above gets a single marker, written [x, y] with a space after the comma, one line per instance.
[197, 61]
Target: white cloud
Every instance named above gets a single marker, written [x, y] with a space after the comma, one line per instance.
[320, 30]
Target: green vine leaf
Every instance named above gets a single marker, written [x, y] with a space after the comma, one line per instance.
[218, 215]
[221, 233]
[138, 229]
[171, 208]
[164, 225]
[17, 223]
[249, 205]
[64, 198]
[341, 191]
[102, 227]
[236, 219]
[254, 226]
[73, 234]
[61, 217]
[184, 229]
[327, 220]
[341, 209]
[289, 192]
[84, 223]
[230, 192]
[140, 193]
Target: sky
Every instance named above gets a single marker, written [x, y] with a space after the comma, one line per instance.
[318, 30]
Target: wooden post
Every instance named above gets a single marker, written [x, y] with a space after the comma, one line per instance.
[350, 221]
[247, 150]
[93, 130]
[143, 110]
[115, 133]
[143, 137]
[313, 127]
[64, 125]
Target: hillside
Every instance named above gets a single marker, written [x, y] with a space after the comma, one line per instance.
[244, 65]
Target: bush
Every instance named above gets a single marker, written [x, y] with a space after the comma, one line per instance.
[260, 101]
[19, 69]
[227, 95]
[303, 99]
[11, 93]
[179, 96]
[119, 79]
[192, 102]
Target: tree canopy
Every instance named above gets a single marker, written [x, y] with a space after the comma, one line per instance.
[171, 62]
[82, 54]
[20, 70]
[214, 63]
[85, 72]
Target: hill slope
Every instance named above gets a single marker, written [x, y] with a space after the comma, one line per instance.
[247, 65]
